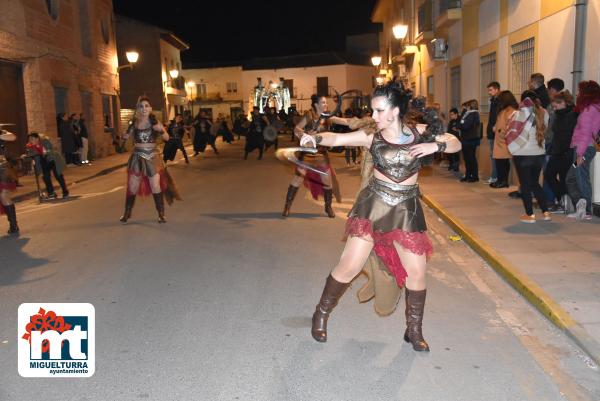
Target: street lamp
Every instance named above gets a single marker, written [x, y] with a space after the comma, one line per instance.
[400, 31]
[132, 57]
[174, 73]
[191, 85]
[376, 60]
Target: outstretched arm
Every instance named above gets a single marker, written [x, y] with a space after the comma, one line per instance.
[357, 138]
[445, 143]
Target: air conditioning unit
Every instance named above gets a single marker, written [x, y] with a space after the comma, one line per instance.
[440, 49]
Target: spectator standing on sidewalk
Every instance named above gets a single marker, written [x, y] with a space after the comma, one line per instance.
[83, 134]
[47, 161]
[586, 131]
[469, 126]
[536, 84]
[74, 120]
[507, 106]
[66, 133]
[493, 90]
[525, 140]
[8, 184]
[453, 158]
[559, 150]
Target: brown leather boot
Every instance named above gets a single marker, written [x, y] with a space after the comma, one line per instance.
[11, 215]
[328, 195]
[160, 207]
[129, 202]
[415, 305]
[331, 294]
[289, 198]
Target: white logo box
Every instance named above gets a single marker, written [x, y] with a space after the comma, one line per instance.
[80, 364]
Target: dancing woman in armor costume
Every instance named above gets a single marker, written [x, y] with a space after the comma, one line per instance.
[387, 215]
[317, 183]
[146, 173]
[8, 183]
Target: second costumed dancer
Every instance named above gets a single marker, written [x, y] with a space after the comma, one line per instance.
[387, 216]
[319, 184]
[146, 172]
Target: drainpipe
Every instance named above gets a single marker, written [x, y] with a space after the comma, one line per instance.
[579, 48]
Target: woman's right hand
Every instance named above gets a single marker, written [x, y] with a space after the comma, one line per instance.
[308, 141]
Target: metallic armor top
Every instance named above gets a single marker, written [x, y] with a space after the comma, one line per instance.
[393, 160]
[147, 135]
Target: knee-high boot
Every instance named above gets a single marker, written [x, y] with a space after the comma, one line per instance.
[289, 198]
[415, 305]
[129, 202]
[160, 207]
[11, 215]
[328, 196]
[331, 294]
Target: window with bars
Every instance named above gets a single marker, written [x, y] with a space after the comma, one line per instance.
[455, 87]
[200, 90]
[487, 74]
[522, 60]
[231, 87]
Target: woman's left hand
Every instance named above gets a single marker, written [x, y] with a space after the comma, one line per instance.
[423, 149]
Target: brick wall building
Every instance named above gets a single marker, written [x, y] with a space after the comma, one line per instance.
[58, 56]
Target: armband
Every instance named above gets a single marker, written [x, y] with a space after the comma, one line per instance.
[441, 146]
[318, 139]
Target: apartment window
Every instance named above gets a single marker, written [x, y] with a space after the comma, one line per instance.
[455, 100]
[289, 83]
[84, 27]
[105, 30]
[61, 97]
[522, 60]
[107, 111]
[430, 89]
[424, 22]
[487, 74]
[231, 88]
[52, 7]
[201, 90]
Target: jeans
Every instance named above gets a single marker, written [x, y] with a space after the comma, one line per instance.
[49, 166]
[528, 169]
[494, 171]
[470, 158]
[578, 181]
[349, 150]
[556, 173]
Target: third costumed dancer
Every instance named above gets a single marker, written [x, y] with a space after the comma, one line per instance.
[146, 173]
[324, 184]
[387, 215]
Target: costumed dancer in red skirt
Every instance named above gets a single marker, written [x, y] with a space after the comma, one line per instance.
[387, 216]
[146, 172]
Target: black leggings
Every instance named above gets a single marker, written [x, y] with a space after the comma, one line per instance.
[528, 170]
[470, 158]
[558, 165]
[502, 169]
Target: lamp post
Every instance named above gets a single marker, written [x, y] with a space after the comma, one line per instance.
[191, 85]
[132, 58]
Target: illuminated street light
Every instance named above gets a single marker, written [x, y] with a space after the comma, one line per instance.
[400, 31]
[174, 73]
[376, 60]
[132, 57]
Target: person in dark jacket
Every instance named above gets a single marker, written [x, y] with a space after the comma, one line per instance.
[202, 136]
[68, 142]
[470, 138]
[176, 131]
[83, 135]
[536, 84]
[493, 89]
[561, 155]
[47, 161]
[453, 158]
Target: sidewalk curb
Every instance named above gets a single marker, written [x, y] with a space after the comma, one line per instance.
[108, 170]
[522, 283]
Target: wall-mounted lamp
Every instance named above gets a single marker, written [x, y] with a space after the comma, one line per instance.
[383, 71]
[174, 73]
[400, 31]
[132, 57]
[379, 80]
[376, 60]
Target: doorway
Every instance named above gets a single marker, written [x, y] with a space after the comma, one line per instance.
[12, 106]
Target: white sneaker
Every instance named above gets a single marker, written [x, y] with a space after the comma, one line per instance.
[491, 180]
[581, 206]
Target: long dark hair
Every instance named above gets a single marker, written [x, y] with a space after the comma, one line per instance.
[314, 99]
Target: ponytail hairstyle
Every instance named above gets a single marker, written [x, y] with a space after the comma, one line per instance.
[314, 99]
[395, 94]
[540, 124]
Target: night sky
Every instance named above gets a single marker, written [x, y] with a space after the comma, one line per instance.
[228, 31]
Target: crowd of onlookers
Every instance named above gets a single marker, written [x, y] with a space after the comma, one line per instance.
[545, 129]
[73, 135]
